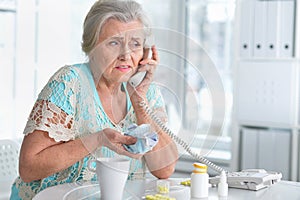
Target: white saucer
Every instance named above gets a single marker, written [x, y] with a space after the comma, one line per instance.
[89, 192]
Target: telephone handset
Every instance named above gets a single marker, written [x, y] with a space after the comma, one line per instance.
[138, 77]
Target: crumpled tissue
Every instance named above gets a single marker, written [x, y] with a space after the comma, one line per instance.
[146, 139]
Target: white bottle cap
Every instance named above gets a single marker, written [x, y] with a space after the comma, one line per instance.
[223, 186]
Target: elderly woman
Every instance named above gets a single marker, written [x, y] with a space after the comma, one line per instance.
[84, 108]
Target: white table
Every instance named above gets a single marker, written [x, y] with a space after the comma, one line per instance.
[136, 190]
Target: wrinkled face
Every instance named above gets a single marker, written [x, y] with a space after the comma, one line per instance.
[118, 52]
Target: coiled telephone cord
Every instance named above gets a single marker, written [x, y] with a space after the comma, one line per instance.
[179, 140]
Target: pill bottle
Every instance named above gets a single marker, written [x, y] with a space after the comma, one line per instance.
[199, 181]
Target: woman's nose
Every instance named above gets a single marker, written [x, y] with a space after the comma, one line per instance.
[124, 53]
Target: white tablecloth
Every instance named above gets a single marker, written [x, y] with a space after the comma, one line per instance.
[138, 189]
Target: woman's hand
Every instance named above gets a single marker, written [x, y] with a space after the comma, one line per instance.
[114, 140]
[148, 65]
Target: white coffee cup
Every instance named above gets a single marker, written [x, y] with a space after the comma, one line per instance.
[112, 175]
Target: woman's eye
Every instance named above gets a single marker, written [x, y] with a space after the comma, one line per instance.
[135, 45]
[113, 43]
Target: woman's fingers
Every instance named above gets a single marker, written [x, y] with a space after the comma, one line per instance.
[155, 54]
[150, 66]
[128, 140]
[120, 149]
[114, 136]
[114, 140]
[148, 61]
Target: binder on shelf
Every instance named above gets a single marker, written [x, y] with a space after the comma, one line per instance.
[248, 154]
[272, 44]
[286, 30]
[260, 28]
[297, 40]
[246, 29]
[269, 155]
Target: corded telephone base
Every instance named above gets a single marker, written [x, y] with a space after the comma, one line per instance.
[250, 179]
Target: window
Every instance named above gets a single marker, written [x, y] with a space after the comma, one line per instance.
[7, 63]
[32, 47]
[205, 28]
[210, 23]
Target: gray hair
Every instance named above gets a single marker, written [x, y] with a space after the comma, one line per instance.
[102, 11]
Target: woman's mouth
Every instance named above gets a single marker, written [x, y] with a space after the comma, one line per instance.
[123, 68]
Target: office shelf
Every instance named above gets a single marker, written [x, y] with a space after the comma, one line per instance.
[267, 88]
